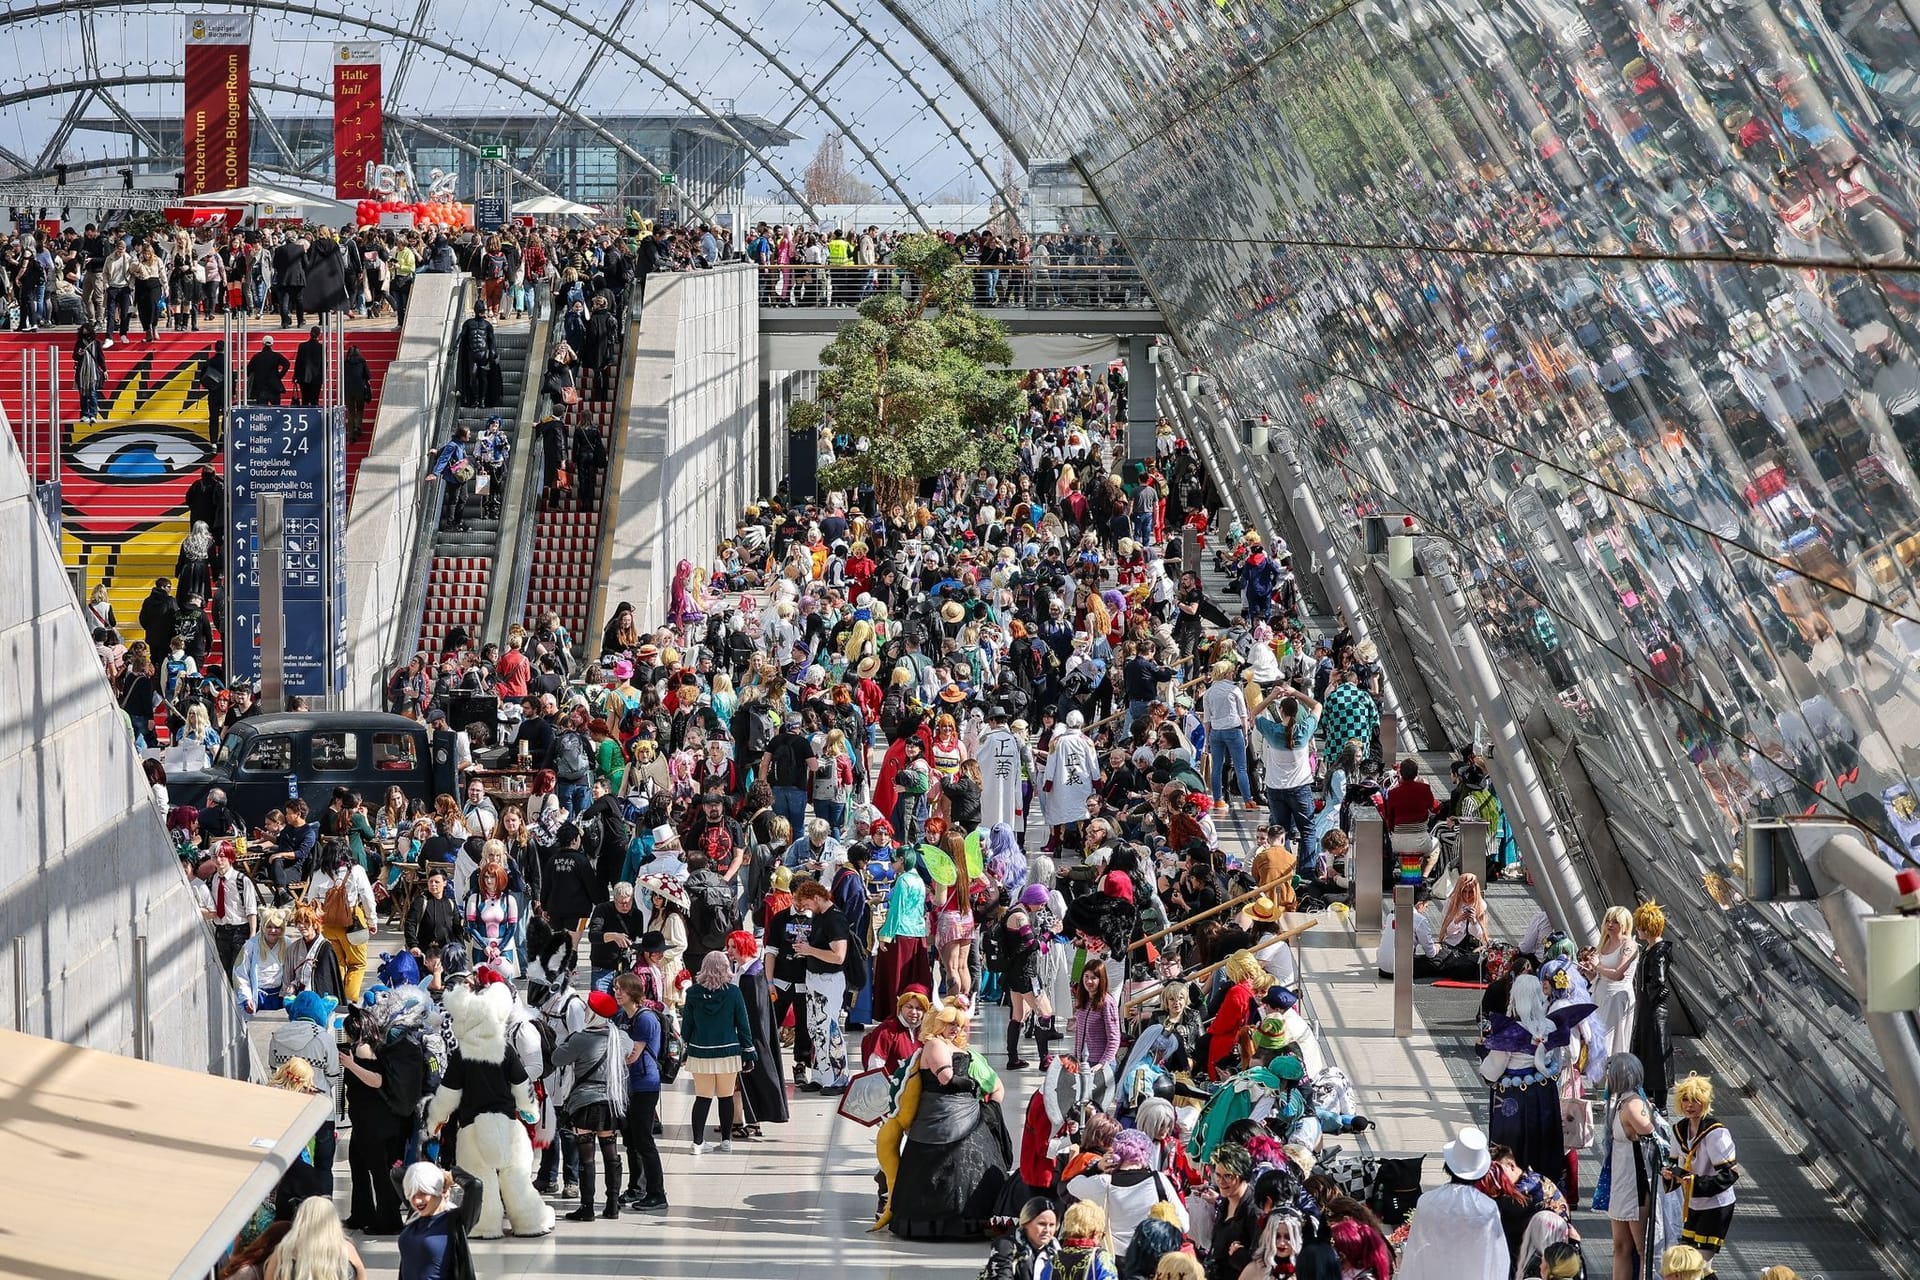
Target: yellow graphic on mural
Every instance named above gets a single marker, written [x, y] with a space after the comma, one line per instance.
[125, 479]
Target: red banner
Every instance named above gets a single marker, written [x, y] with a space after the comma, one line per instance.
[217, 133]
[357, 122]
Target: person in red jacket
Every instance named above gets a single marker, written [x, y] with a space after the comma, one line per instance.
[867, 693]
[860, 570]
[511, 672]
[1235, 1012]
[891, 1043]
[1410, 802]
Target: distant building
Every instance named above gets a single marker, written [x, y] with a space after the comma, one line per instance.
[708, 165]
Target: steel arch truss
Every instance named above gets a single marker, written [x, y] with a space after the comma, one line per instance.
[54, 10]
[34, 92]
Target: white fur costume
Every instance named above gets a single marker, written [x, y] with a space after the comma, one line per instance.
[493, 1145]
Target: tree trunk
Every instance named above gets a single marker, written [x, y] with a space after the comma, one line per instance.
[891, 490]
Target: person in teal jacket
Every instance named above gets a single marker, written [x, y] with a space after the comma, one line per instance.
[719, 1040]
[901, 958]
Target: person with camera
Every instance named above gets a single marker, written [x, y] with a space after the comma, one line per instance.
[612, 932]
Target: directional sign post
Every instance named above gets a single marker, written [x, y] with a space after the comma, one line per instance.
[490, 213]
[300, 455]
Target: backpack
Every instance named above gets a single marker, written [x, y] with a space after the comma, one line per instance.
[336, 910]
[570, 758]
[673, 1050]
[855, 965]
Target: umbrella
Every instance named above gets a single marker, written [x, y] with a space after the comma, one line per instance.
[666, 887]
[255, 195]
[869, 1097]
[938, 865]
[552, 207]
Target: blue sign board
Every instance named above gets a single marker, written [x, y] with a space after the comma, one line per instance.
[489, 213]
[300, 454]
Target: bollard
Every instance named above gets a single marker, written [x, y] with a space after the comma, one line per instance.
[1403, 910]
[1368, 869]
[1390, 738]
[1472, 844]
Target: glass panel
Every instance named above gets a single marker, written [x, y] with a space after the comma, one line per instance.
[270, 754]
[333, 750]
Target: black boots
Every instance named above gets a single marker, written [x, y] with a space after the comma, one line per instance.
[1043, 1036]
[588, 1183]
[1014, 1061]
[610, 1158]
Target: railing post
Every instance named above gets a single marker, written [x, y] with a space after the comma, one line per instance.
[1472, 844]
[20, 985]
[141, 1048]
[1369, 845]
[1403, 910]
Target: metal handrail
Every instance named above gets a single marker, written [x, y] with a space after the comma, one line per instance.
[1020, 286]
[520, 504]
[425, 508]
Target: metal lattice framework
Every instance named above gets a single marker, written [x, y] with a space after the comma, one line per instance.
[604, 41]
[101, 86]
[55, 10]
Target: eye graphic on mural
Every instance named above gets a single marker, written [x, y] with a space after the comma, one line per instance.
[139, 454]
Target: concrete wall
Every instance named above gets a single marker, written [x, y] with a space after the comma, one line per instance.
[690, 456]
[86, 865]
[385, 515]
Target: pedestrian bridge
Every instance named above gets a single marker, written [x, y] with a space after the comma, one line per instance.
[1054, 315]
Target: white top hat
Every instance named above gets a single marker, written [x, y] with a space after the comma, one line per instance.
[1466, 1156]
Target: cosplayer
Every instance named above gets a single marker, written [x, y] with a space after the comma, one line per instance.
[1707, 1168]
[1234, 1013]
[944, 1179]
[1526, 1052]
[894, 1041]
[763, 1088]
[1029, 952]
[486, 1094]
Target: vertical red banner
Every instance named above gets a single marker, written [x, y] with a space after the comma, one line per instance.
[357, 120]
[217, 133]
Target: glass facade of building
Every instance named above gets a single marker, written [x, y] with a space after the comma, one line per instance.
[1620, 301]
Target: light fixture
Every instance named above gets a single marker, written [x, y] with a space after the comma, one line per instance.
[1190, 382]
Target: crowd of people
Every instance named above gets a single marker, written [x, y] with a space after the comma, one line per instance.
[884, 771]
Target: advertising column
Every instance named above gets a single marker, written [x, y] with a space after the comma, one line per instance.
[357, 122]
[216, 137]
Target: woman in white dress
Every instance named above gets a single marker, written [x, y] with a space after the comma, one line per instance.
[1630, 1194]
[1613, 970]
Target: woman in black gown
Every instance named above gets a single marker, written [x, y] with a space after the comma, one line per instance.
[1651, 1043]
[947, 1174]
[763, 1089]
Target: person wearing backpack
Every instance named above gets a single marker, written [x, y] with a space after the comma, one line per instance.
[571, 759]
[712, 909]
[453, 468]
[344, 898]
[641, 1020]
[562, 1014]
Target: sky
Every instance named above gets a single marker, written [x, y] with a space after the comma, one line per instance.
[547, 44]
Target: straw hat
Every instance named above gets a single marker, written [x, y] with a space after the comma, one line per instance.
[868, 667]
[953, 611]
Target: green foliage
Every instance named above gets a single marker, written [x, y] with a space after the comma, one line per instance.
[908, 375]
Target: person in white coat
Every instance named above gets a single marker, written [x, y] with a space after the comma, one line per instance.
[1003, 764]
[1073, 767]
[1456, 1231]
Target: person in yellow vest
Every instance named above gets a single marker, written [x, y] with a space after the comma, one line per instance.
[839, 257]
